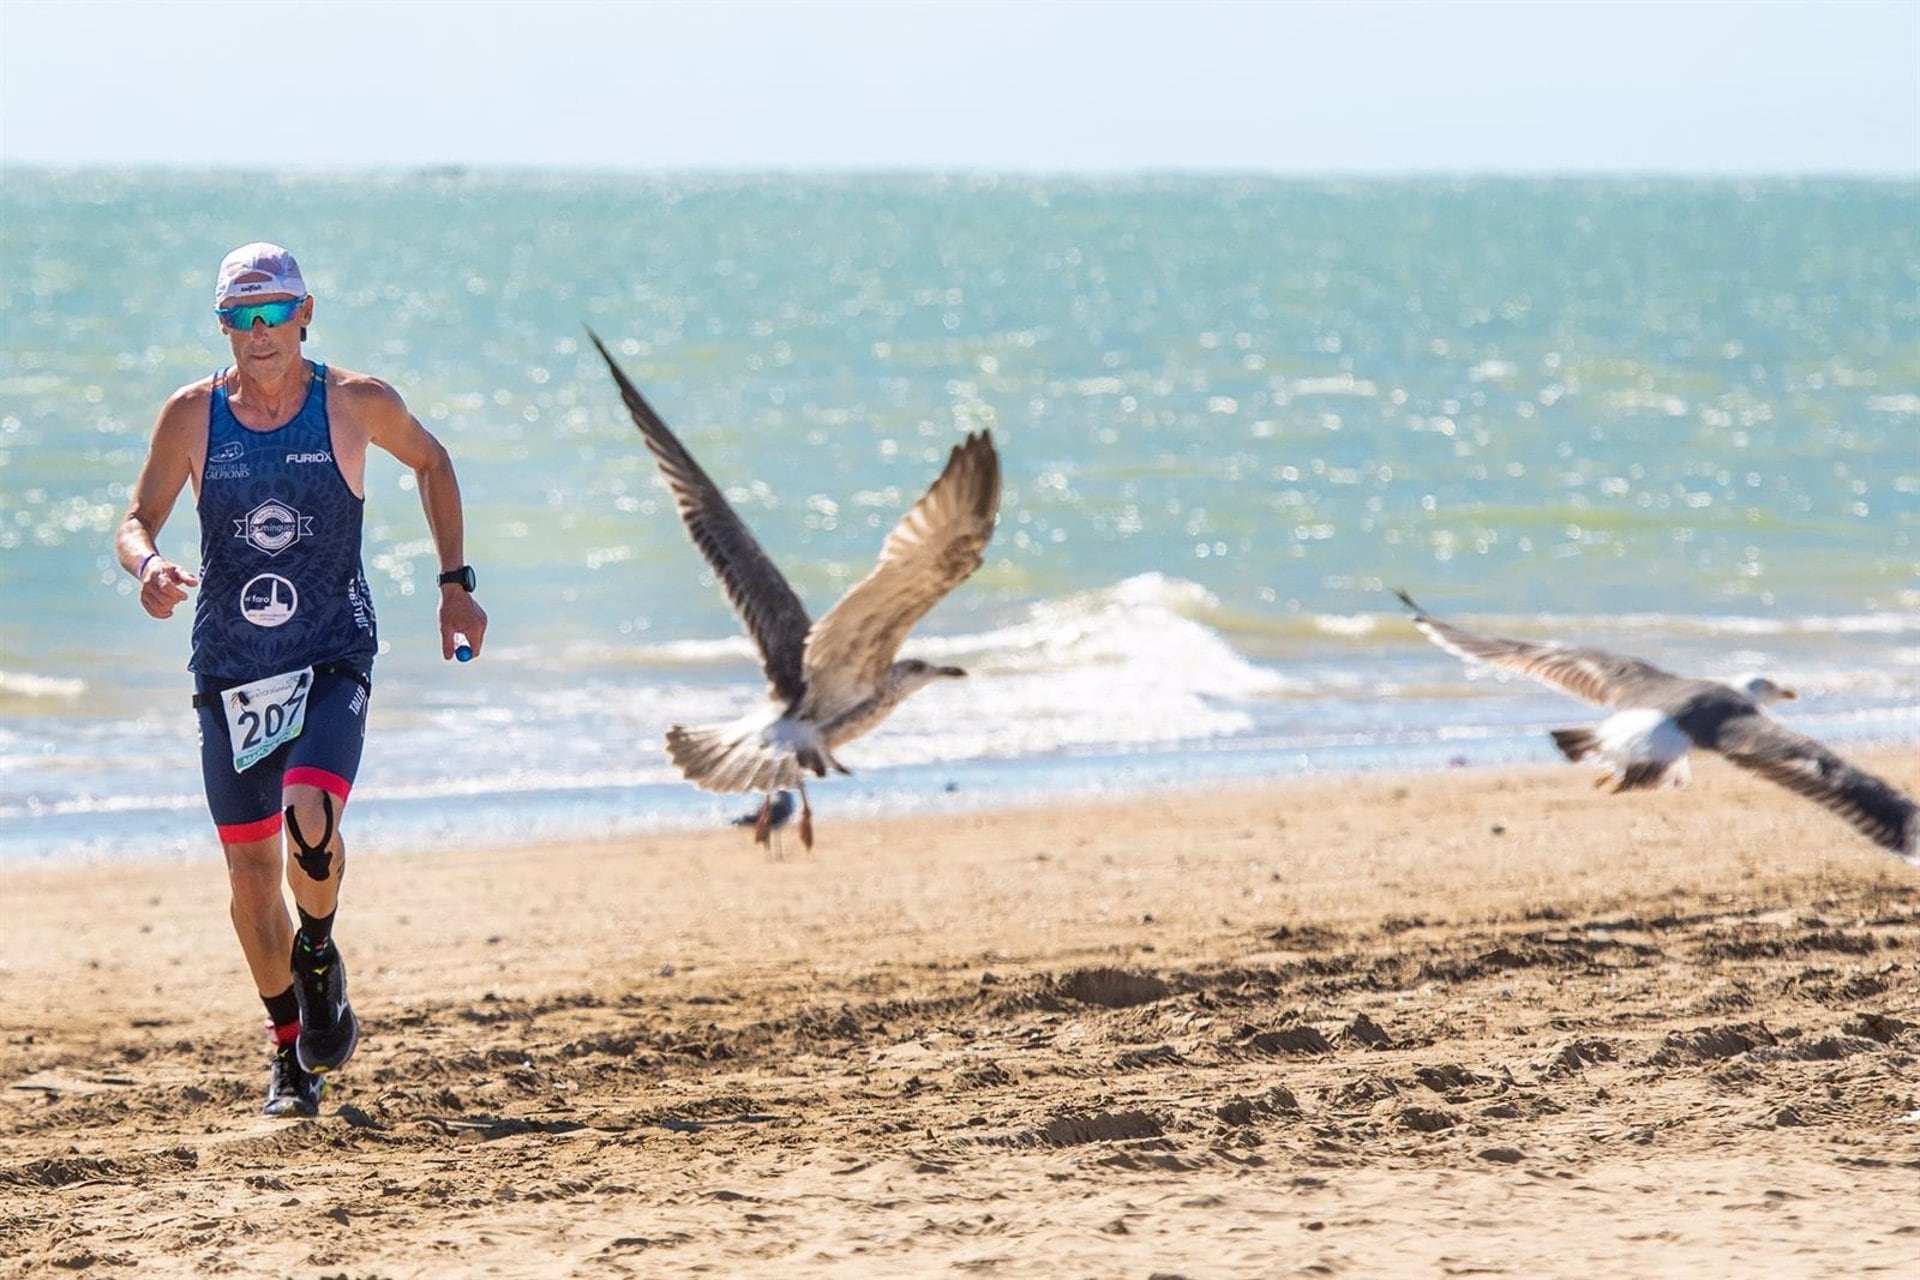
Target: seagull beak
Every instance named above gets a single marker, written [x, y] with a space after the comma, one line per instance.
[955, 672]
[1788, 695]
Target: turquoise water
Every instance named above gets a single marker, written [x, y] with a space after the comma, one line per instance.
[1679, 418]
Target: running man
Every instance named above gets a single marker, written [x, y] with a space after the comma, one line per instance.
[283, 629]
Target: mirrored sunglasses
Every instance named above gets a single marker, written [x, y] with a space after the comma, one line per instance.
[275, 314]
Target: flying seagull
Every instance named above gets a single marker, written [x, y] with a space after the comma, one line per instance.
[1658, 717]
[828, 681]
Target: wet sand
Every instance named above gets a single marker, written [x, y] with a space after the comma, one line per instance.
[1459, 1023]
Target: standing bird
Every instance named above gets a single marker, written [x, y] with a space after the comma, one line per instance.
[828, 681]
[766, 821]
[1658, 717]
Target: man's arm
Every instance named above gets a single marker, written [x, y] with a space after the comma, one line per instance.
[168, 467]
[397, 431]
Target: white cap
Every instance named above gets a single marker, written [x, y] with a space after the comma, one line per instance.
[256, 269]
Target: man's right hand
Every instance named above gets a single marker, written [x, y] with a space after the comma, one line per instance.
[164, 587]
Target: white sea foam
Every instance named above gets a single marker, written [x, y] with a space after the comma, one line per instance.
[1354, 626]
[1130, 664]
[1571, 626]
[20, 684]
[68, 806]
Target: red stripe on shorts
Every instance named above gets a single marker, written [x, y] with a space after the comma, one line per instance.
[307, 776]
[248, 832]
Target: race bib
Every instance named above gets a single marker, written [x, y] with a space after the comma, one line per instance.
[265, 714]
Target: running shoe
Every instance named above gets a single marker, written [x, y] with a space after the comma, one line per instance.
[291, 1091]
[328, 1029]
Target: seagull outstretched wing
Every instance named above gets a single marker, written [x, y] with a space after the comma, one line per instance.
[933, 549]
[758, 591]
[1592, 675]
[1875, 808]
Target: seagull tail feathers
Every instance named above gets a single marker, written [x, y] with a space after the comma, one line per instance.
[730, 758]
[1642, 775]
[1622, 774]
[1576, 744]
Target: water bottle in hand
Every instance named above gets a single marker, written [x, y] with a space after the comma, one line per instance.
[461, 649]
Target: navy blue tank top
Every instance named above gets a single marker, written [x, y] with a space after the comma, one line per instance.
[281, 585]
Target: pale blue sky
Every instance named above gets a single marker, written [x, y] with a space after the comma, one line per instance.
[1306, 87]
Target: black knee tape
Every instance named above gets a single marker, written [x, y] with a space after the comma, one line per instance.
[313, 858]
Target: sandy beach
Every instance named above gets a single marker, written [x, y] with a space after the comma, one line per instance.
[1459, 1023]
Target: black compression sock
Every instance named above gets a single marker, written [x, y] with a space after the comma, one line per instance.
[316, 932]
[283, 1010]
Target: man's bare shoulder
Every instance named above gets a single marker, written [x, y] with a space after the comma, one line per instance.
[187, 407]
[362, 390]
[365, 402]
[194, 393]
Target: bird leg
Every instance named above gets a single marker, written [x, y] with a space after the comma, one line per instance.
[806, 818]
[764, 823]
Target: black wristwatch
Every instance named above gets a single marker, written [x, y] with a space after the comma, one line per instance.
[463, 576]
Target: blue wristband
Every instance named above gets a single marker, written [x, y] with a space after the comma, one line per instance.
[140, 574]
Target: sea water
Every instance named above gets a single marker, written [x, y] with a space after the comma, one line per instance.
[1676, 418]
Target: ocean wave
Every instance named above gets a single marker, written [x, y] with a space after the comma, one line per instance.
[69, 806]
[29, 687]
[1149, 662]
[1374, 628]
[1128, 664]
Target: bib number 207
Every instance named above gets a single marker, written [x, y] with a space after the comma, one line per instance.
[263, 715]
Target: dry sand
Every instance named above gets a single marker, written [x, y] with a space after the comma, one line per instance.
[1459, 1023]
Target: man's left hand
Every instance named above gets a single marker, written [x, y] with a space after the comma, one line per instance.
[460, 612]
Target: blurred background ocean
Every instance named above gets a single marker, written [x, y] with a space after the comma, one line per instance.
[1680, 418]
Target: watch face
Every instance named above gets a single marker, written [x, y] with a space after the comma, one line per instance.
[463, 575]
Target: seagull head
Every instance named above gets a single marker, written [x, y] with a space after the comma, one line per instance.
[910, 674]
[1764, 691]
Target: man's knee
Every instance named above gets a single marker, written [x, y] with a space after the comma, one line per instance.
[253, 867]
[251, 857]
[313, 831]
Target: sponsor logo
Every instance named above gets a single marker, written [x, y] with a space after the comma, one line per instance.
[359, 702]
[228, 462]
[272, 527]
[268, 600]
[322, 456]
[357, 601]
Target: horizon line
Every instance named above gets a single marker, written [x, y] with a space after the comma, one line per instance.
[457, 168]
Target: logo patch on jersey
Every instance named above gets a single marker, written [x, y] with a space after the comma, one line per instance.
[310, 457]
[273, 526]
[356, 600]
[228, 462]
[268, 600]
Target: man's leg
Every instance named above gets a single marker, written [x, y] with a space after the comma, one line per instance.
[259, 911]
[320, 767]
[245, 813]
[316, 854]
[316, 862]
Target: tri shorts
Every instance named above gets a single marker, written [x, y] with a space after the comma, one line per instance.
[248, 805]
